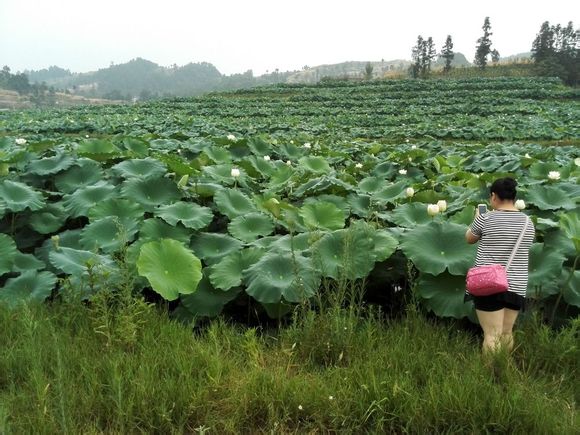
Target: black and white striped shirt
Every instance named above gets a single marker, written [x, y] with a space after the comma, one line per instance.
[499, 231]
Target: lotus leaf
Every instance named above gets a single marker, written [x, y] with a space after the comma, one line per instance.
[571, 287]
[549, 198]
[297, 242]
[218, 154]
[140, 168]
[323, 216]
[98, 149]
[206, 301]
[228, 272]
[18, 196]
[316, 165]
[437, 246]
[49, 219]
[259, 146]
[7, 253]
[282, 276]
[50, 165]
[83, 200]
[444, 294]
[155, 229]
[263, 167]
[233, 203]
[84, 173]
[570, 224]
[410, 215]
[280, 177]
[107, 234]
[391, 192]
[359, 204]
[151, 192]
[251, 226]
[545, 269]
[78, 262]
[222, 174]
[212, 247]
[136, 146]
[26, 262]
[339, 201]
[371, 184]
[385, 170]
[30, 286]
[129, 213]
[170, 268]
[189, 214]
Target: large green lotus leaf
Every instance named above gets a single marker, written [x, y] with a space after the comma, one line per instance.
[84, 173]
[98, 149]
[371, 184]
[233, 203]
[151, 192]
[50, 165]
[265, 168]
[170, 267]
[297, 242]
[206, 301]
[391, 192]
[7, 253]
[136, 146]
[385, 244]
[545, 269]
[155, 229]
[549, 198]
[218, 154]
[48, 220]
[315, 164]
[228, 272]
[444, 294]
[323, 184]
[344, 254]
[191, 215]
[83, 200]
[540, 170]
[463, 217]
[18, 196]
[79, 262]
[107, 234]
[385, 170]
[259, 146]
[359, 204]
[206, 190]
[437, 246]
[212, 247]
[30, 286]
[222, 174]
[339, 201]
[26, 262]
[128, 213]
[322, 216]
[571, 286]
[280, 177]
[140, 168]
[282, 276]
[570, 224]
[251, 226]
[410, 215]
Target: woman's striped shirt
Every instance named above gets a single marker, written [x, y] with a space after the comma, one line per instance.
[499, 231]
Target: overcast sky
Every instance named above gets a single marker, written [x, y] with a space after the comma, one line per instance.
[259, 35]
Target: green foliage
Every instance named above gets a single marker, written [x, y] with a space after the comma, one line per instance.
[483, 48]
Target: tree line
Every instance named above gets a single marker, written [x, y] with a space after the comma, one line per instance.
[555, 52]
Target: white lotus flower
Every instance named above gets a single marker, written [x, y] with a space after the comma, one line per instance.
[413, 147]
[20, 141]
[288, 163]
[407, 140]
[330, 397]
[231, 137]
[307, 145]
[409, 192]
[442, 204]
[520, 204]
[87, 136]
[577, 161]
[554, 175]
[527, 156]
[403, 171]
[300, 407]
[267, 158]
[432, 209]
[235, 172]
[358, 165]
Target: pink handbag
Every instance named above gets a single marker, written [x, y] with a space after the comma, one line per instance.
[491, 278]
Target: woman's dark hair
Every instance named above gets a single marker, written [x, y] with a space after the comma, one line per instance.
[505, 188]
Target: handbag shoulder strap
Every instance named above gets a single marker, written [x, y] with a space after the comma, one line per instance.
[520, 238]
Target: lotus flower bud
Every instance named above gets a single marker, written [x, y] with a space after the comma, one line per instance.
[288, 163]
[235, 172]
[413, 147]
[432, 209]
[231, 137]
[20, 141]
[403, 171]
[527, 156]
[554, 175]
[577, 161]
[358, 165]
[409, 192]
[520, 204]
[183, 181]
[55, 240]
[307, 145]
[267, 158]
[442, 204]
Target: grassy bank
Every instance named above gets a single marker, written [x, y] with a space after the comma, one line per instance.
[66, 368]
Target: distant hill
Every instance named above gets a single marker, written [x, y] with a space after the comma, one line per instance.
[459, 60]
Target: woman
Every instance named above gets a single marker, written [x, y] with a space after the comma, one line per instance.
[497, 232]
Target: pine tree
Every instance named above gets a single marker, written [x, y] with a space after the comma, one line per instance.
[483, 48]
[417, 56]
[447, 54]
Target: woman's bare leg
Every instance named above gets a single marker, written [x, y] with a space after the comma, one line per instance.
[509, 319]
[492, 324]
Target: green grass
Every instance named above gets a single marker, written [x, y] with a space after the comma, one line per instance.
[121, 366]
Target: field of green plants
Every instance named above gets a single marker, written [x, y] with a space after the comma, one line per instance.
[268, 196]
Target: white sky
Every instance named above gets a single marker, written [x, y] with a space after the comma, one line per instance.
[258, 34]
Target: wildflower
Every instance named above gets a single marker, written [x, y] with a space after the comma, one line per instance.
[20, 141]
[231, 137]
[442, 204]
[288, 163]
[432, 209]
[307, 145]
[358, 165]
[267, 158]
[520, 204]
[403, 171]
[235, 172]
[554, 175]
[409, 192]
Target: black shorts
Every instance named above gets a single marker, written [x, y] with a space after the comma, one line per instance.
[498, 301]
